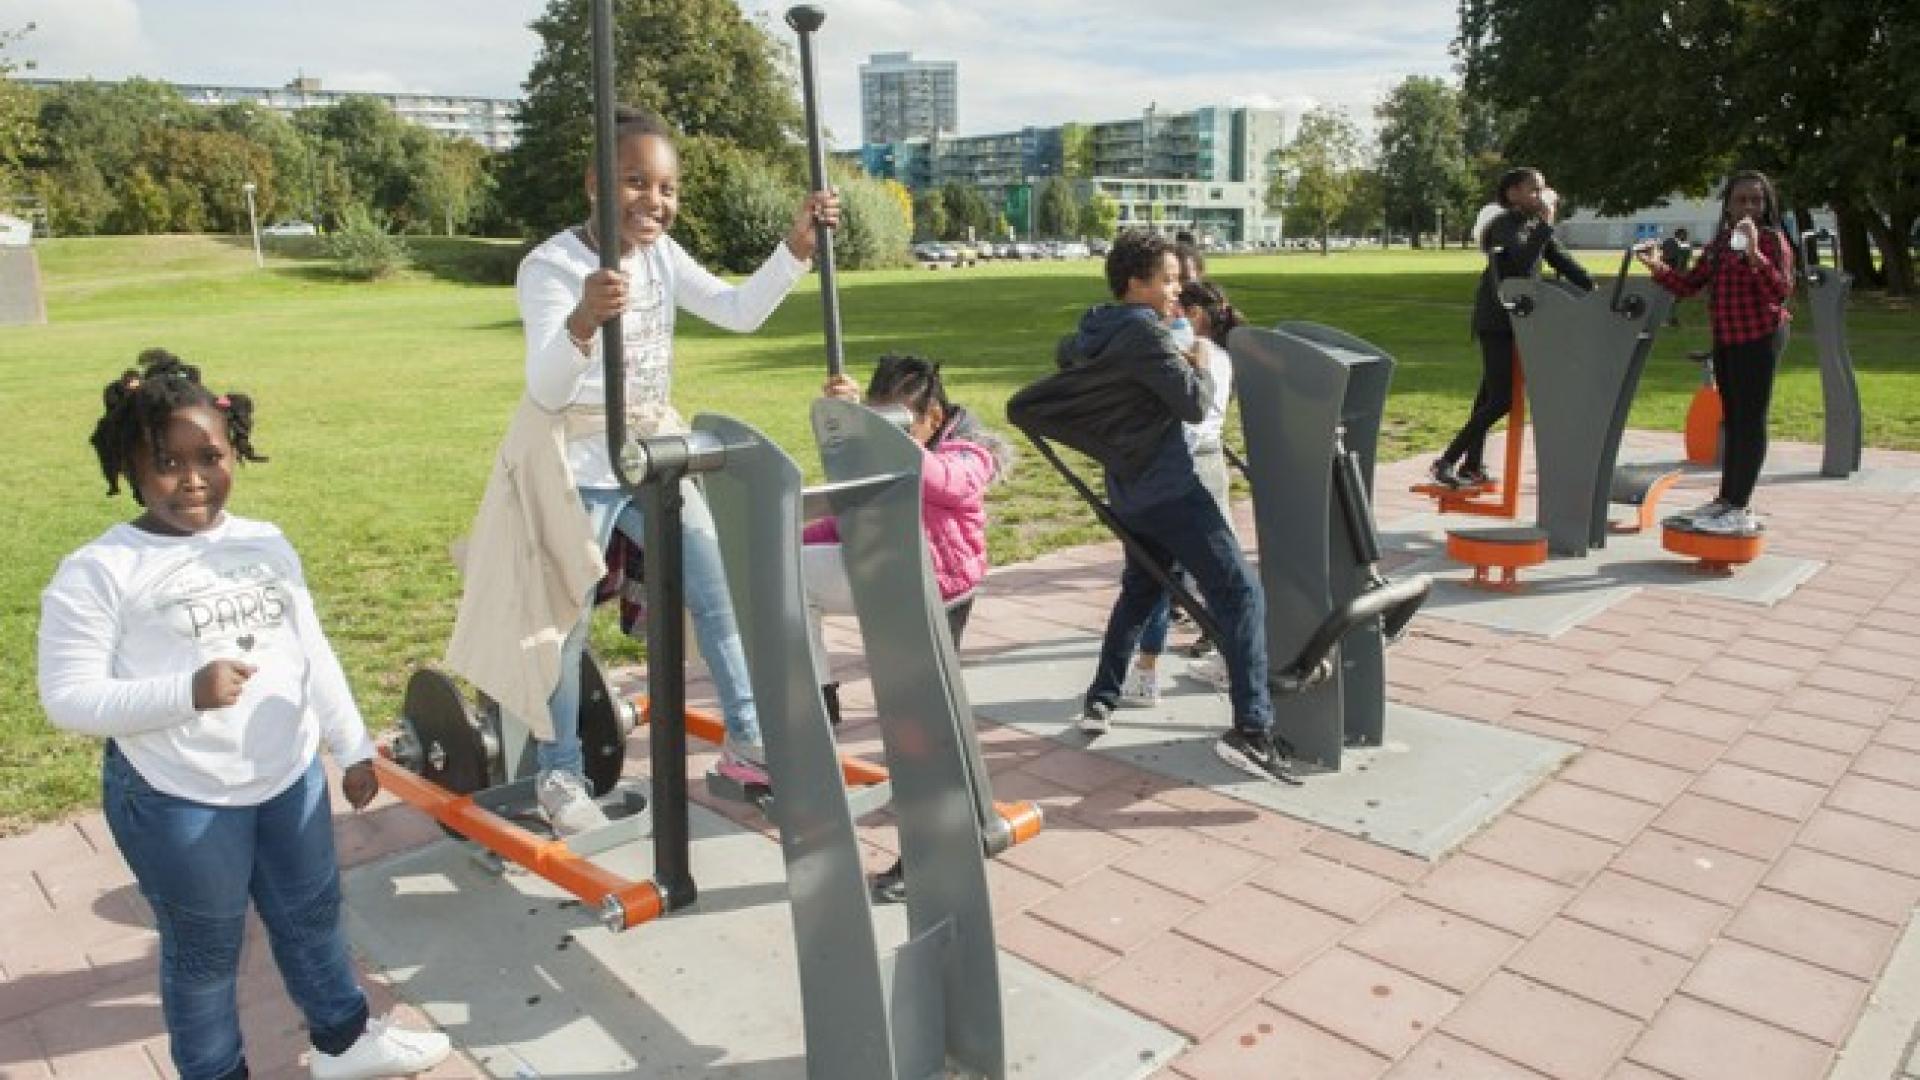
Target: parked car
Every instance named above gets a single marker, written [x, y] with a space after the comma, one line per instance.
[290, 228]
[1099, 247]
[1073, 249]
[933, 253]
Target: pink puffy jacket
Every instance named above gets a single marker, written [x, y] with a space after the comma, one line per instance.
[953, 511]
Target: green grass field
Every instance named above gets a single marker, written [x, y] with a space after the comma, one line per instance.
[381, 404]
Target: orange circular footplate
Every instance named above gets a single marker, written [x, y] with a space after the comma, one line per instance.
[1719, 552]
[1505, 549]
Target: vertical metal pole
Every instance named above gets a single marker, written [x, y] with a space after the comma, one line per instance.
[667, 690]
[660, 504]
[805, 19]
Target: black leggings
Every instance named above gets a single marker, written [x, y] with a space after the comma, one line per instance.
[1492, 401]
[1744, 373]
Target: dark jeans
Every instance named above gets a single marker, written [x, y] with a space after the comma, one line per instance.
[198, 866]
[1189, 532]
[1744, 373]
[1492, 401]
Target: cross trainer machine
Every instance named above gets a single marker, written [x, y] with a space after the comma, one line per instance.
[1827, 291]
[1329, 609]
[932, 1007]
[1583, 353]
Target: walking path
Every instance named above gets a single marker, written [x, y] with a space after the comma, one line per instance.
[1713, 888]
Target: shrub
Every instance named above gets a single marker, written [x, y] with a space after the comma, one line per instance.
[874, 230]
[363, 248]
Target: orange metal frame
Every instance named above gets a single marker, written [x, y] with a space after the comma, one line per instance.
[1473, 500]
[1717, 553]
[1484, 555]
[1703, 425]
[640, 901]
[1023, 818]
[1649, 509]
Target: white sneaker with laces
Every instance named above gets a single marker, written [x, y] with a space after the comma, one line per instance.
[1700, 513]
[384, 1049]
[1096, 719]
[569, 807]
[1731, 521]
[1210, 669]
[1142, 688]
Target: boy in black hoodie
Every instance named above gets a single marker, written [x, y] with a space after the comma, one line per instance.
[1145, 389]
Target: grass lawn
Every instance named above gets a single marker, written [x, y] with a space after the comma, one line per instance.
[381, 404]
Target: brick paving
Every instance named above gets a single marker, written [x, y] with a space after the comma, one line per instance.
[1711, 889]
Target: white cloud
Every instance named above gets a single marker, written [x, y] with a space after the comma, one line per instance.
[74, 35]
[1022, 62]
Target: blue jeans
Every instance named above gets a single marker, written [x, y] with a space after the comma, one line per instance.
[705, 583]
[1188, 531]
[198, 866]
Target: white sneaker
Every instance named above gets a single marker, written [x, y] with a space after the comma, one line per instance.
[1142, 688]
[569, 807]
[1096, 719]
[1210, 669]
[384, 1049]
[1699, 513]
[1732, 521]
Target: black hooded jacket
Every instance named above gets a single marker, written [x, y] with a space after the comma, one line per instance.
[1121, 390]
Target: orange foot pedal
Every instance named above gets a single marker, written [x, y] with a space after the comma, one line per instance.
[1505, 549]
[1719, 553]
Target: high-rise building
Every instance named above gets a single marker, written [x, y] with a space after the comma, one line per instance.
[902, 98]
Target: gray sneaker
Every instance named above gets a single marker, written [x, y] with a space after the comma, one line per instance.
[564, 798]
[1699, 513]
[1142, 688]
[1731, 521]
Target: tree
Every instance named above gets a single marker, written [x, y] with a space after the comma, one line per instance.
[1058, 213]
[1825, 97]
[700, 63]
[968, 215]
[1423, 155]
[1076, 151]
[1099, 216]
[874, 230]
[1319, 169]
[382, 158]
[735, 205]
[456, 186]
[295, 157]
[929, 215]
[19, 113]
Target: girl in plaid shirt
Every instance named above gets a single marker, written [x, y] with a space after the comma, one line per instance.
[1748, 270]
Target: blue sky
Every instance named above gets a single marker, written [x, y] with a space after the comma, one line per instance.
[1021, 61]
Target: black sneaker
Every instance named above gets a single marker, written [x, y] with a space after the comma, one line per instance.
[830, 694]
[1253, 753]
[889, 886]
[1475, 476]
[1442, 474]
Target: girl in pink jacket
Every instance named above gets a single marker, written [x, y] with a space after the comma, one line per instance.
[963, 460]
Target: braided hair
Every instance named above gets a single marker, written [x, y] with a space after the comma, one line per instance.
[139, 403]
[913, 381]
[1208, 297]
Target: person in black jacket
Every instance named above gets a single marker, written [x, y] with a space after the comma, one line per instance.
[1515, 232]
[1136, 390]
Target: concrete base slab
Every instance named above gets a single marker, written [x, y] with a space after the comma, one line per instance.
[524, 978]
[1435, 782]
[1563, 593]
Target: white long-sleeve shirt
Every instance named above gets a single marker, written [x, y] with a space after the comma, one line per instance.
[130, 617]
[661, 278]
[1206, 435]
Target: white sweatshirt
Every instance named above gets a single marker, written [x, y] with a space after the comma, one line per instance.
[129, 619]
[1206, 434]
[661, 278]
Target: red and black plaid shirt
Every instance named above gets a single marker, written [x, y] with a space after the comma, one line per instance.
[1747, 301]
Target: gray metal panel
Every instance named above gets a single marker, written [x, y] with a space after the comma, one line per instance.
[1363, 660]
[1582, 361]
[940, 787]
[1291, 394]
[756, 509]
[1827, 291]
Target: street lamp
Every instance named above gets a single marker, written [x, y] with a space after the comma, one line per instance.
[253, 221]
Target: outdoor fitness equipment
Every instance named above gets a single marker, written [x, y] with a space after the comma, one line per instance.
[1329, 610]
[933, 1006]
[1827, 290]
[1311, 399]
[1582, 352]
